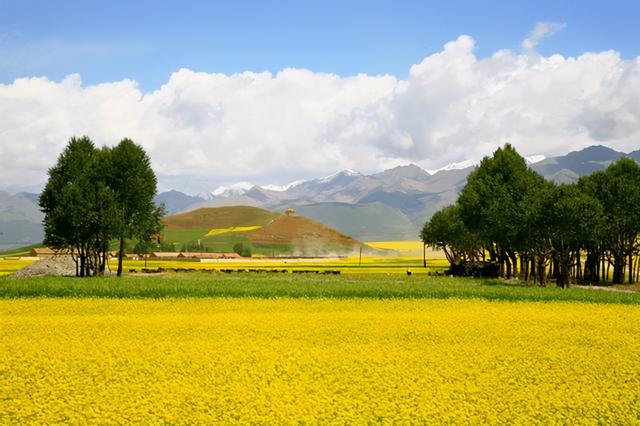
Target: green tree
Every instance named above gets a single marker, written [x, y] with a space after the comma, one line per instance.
[134, 184]
[446, 231]
[618, 190]
[242, 249]
[538, 229]
[574, 216]
[492, 207]
[77, 204]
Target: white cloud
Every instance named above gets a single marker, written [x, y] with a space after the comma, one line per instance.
[203, 130]
[540, 31]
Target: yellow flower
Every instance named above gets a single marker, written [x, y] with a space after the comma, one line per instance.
[284, 360]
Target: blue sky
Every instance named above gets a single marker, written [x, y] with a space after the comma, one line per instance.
[148, 40]
[269, 92]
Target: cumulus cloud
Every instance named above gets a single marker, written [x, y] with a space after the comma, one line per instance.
[206, 129]
[540, 31]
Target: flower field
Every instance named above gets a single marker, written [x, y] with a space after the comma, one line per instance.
[200, 360]
[218, 231]
[10, 265]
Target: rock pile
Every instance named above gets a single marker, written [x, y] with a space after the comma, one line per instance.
[54, 265]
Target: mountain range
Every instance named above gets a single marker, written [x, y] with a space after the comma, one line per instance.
[390, 205]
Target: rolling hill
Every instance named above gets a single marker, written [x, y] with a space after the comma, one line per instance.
[266, 232]
[221, 217]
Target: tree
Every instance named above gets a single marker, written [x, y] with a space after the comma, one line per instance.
[134, 184]
[491, 205]
[242, 249]
[539, 226]
[77, 203]
[96, 195]
[574, 217]
[446, 231]
[618, 190]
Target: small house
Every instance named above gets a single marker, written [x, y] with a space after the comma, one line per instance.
[46, 251]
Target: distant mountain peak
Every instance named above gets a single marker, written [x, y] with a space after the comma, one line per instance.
[343, 173]
[533, 159]
[282, 188]
[454, 166]
[236, 189]
[595, 153]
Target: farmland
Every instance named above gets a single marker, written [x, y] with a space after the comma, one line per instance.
[201, 360]
[373, 344]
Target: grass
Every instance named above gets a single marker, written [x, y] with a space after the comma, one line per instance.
[221, 242]
[197, 285]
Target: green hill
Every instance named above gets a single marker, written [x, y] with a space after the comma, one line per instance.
[267, 233]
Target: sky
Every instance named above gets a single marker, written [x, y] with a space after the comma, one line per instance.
[275, 91]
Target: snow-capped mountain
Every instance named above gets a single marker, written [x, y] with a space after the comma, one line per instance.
[454, 166]
[241, 188]
[236, 189]
[533, 159]
[282, 188]
[344, 173]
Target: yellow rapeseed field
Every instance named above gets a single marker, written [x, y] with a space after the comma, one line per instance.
[284, 360]
[218, 231]
[9, 265]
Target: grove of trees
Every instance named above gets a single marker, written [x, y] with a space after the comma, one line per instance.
[97, 196]
[534, 229]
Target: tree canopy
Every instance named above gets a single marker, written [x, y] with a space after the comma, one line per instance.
[512, 213]
[94, 196]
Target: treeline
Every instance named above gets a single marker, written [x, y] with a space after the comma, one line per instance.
[97, 196]
[510, 217]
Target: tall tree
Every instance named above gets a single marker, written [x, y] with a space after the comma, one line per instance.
[574, 216]
[491, 204]
[134, 184]
[69, 202]
[538, 228]
[618, 190]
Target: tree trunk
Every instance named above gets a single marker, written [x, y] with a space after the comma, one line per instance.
[533, 268]
[120, 256]
[508, 265]
[542, 271]
[630, 267]
[618, 268]
[514, 263]
[82, 263]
